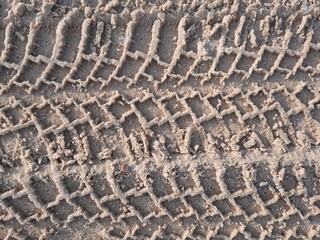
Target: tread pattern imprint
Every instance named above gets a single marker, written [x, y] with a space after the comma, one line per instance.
[159, 119]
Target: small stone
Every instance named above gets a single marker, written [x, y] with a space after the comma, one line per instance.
[43, 160]
[125, 168]
[196, 148]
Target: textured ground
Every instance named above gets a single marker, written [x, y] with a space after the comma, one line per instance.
[159, 119]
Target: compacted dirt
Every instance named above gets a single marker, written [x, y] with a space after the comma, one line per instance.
[159, 119]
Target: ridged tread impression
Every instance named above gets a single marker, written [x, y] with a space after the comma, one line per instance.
[159, 119]
[200, 201]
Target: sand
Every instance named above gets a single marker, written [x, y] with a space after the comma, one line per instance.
[159, 119]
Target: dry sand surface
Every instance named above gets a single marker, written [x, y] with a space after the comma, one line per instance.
[153, 119]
